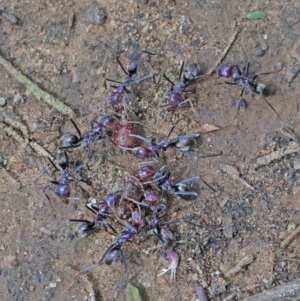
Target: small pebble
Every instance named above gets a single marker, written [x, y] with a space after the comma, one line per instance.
[9, 262]
[144, 1]
[37, 278]
[292, 74]
[18, 99]
[296, 163]
[96, 16]
[2, 101]
[11, 18]
[52, 284]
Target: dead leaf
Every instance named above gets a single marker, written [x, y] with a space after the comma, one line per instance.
[206, 128]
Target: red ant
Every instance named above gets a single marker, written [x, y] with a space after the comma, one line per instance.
[233, 72]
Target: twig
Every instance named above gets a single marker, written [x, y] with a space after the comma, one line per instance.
[34, 89]
[286, 292]
[233, 172]
[222, 57]
[239, 266]
[292, 148]
[290, 237]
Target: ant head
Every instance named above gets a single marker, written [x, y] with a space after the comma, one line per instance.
[84, 229]
[112, 256]
[261, 89]
[68, 141]
[235, 75]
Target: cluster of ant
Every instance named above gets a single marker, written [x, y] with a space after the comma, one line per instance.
[138, 206]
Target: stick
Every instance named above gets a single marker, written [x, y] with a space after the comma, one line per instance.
[239, 266]
[288, 292]
[34, 89]
[290, 237]
[292, 148]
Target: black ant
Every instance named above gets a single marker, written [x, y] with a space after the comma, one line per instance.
[135, 62]
[233, 72]
[62, 186]
[69, 141]
[101, 214]
[117, 97]
[182, 143]
[175, 96]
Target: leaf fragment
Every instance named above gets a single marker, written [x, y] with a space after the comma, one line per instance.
[206, 128]
[257, 14]
[132, 293]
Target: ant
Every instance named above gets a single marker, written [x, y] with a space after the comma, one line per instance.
[162, 179]
[62, 186]
[117, 97]
[135, 62]
[101, 214]
[182, 143]
[114, 251]
[96, 132]
[175, 97]
[233, 72]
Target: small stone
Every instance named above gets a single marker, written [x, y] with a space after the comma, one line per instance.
[31, 288]
[96, 16]
[144, 1]
[18, 98]
[37, 278]
[9, 261]
[52, 284]
[12, 19]
[296, 163]
[2, 101]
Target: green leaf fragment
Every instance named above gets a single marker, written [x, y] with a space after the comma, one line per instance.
[132, 293]
[256, 15]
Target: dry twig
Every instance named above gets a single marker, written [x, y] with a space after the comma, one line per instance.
[287, 292]
[234, 173]
[239, 266]
[34, 89]
[292, 148]
[290, 237]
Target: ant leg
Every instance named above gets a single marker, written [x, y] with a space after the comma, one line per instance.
[54, 165]
[169, 80]
[140, 137]
[272, 108]
[246, 69]
[231, 83]
[148, 52]
[76, 127]
[119, 62]
[181, 69]
[242, 92]
[113, 81]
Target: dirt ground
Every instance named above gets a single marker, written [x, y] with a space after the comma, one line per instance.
[241, 245]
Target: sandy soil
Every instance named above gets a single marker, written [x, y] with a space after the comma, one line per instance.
[69, 50]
